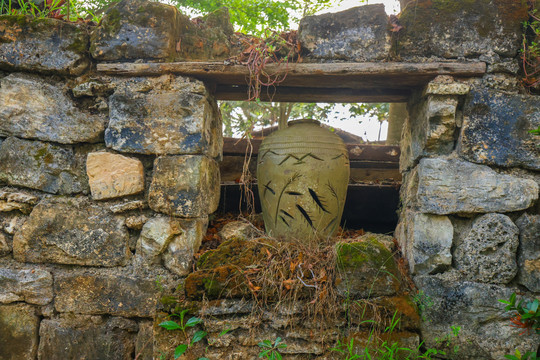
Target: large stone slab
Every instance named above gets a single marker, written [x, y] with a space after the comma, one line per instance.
[185, 186]
[177, 116]
[460, 28]
[488, 252]
[113, 175]
[136, 29]
[42, 166]
[455, 186]
[357, 34]
[19, 326]
[33, 286]
[529, 252]
[44, 45]
[87, 337]
[35, 108]
[495, 129]
[72, 231]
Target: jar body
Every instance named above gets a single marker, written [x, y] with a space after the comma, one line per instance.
[302, 175]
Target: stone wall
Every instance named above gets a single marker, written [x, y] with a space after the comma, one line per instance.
[106, 184]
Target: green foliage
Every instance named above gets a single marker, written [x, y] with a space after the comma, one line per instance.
[535, 131]
[526, 313]
[530, 49]
[424, 302]
[183, 326]
[271, 351]
[529, 355]
[70, 10]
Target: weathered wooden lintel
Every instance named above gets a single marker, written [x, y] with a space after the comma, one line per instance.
[320, 82]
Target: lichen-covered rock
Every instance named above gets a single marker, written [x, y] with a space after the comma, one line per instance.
[443, 187]
[176, 116]
[42, 166]
[33, 286]
[367, 269]
[529, 252]
[95, 293]
[72, 231]
[460, 28]
[35, 108]
[43, 45]
[128, 206]
[136, 29]
[113, 175]
[87, 337]
[243, 230]
[488, 252]
[185, 186]
[495, 129]
[4, 245]
[357, 34]
[19, 326]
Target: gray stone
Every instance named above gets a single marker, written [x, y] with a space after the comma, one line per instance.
[495, 129]
[4, 245]
[33, 286]
[128, 206]
[41, 166]
[136, 29]
[185, 186]
[178, 116]
[357, 34]
[488, 252]
[155, 236]
[238, 229]
[87, 337]
[484, 333]
[72, 231]
[460, 29]
[19, 326]
[105, 293]
[178, 257]
[529, 252]
[144, 343]
[455, 186]
[34, 108]
[46, 45]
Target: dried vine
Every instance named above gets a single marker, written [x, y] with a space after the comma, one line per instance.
[530, 50]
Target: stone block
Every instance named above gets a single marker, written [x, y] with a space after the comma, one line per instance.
[528, 255]
[357, 34]
[128, 206]
[243, 230]
[44, 45]
[495, 129]
[155, 236]
[11, 200]
[136, 29]
[95, 293]
[72, 231]
[457, 187]
[185, 186]
[144, 343]
[460, 28]
[35, 108]
[12, 222]
[42, 166]
[33, 286]
[5, 248]
[177, 116]
[113, 175]
[488, 252]
[87, 337]
[19, 326]
[178, 257]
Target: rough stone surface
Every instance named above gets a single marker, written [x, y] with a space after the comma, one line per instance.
[33, 286]
[357, 34]
[529, 252]
[488, 252]
[144, 343]
[460, 28]
[42, 166]
[19, 326]
[155, 236]
[128, 206]
[237, 229]
[11, 200]
[177, 116]
[495, 129]
[185, 186]
[4, 245]
[44, 45]
[454, 186]
[136, 29]
[105, 293]
[178, 257]
[485, 333]
[113, 175]
[136, 222]
[87, 337]
[12, 222]
[72, 231]
[35, 108]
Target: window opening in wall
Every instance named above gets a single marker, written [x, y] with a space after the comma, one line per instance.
[373, 192]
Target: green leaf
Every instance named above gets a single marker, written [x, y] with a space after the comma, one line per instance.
[277, 356]
[224, 332]
[265, 344]
[180, 350]
[278, 340]
[198, 336]
[193, 321]
[170, 325]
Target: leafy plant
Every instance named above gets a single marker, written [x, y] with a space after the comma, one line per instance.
[423, 301]
[530, 48]
[271, 351]
[526, 314]
[183, 326]
[529, 355]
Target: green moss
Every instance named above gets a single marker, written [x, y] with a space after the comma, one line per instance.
[353, 255]
[41, 154]
[111, 23]
[12, 20]
[79, 45]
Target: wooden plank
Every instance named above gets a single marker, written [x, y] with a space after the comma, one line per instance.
[232, 146]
